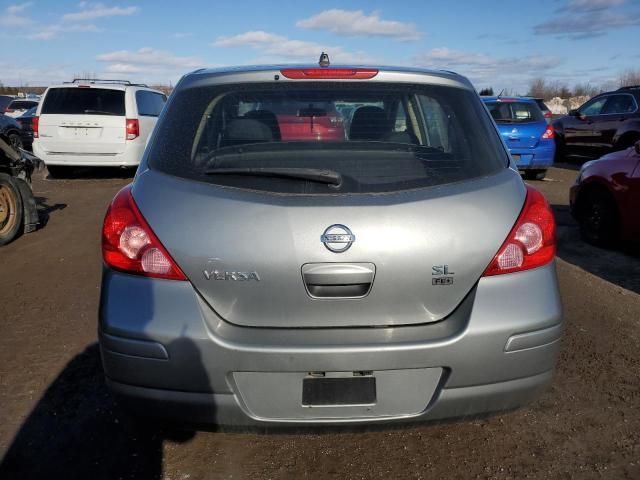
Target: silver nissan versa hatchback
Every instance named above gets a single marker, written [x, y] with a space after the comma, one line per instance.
[327, 245]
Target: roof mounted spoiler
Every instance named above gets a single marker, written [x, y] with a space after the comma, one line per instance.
[629, 87]
[108, 81]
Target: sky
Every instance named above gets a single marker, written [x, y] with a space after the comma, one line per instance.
[502, 44]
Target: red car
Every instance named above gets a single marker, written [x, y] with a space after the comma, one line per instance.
[605, 199]
[307, 122]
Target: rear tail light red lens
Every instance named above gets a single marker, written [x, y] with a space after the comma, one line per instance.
[35, 126]
[548, 114]
[133, 128]
[9, 110]
[532, 240]
[549, 133]
[329, 73]
[129, 244]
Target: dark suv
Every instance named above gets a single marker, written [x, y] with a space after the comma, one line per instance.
[608, 122]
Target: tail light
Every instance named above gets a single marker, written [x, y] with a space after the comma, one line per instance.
[329, 73]
[549, 133]
[532, 240]
[548, 114]
[9, 110]
[129, 244]
[133, 128]
[35, 126]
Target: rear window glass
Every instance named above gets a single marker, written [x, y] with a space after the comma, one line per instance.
[84, 101]
[150, 104]
[515, 112]
[299, 138]
[4, 101]
[22, 104]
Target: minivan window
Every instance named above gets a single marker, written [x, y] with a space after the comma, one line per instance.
[22, 104]
[150, 104]
[399, 137]
[515, 112]
[84, 101]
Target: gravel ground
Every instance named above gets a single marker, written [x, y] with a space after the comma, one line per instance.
[57, 420]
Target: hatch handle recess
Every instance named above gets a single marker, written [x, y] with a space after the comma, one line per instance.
[338, 280]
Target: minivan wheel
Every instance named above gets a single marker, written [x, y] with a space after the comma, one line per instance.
[626, 142]
[534, 174]
[598, 219]
[11, 209]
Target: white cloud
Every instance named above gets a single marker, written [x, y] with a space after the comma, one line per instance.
[17, 73]
[356, 23]
[485, 69]
[123, 68]
[91, 11]
[148, 65]
[49, 32]
[583, 19]
[592, 5]
[150, 57]
[279, 48]
[16, 9]
[14, 17]
[588, 25]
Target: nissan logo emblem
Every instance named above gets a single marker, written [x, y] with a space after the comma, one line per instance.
[338, 238]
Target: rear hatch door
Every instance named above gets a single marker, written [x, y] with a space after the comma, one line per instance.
[413, 257]
[83, 120]
[522, 135]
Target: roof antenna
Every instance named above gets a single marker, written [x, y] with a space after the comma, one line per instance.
[324, 60]
[501, 92]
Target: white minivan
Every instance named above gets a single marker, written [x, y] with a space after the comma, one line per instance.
[95, 123]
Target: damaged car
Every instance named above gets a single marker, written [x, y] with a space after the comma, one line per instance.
[18, 210]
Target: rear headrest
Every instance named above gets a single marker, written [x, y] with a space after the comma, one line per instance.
[368, 123]
[269, 119]
[244, 131]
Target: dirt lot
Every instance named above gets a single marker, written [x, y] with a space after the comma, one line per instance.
[58, 421]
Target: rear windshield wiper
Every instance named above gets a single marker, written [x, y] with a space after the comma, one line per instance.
[329, 177]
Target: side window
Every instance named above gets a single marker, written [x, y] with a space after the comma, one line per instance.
[619, 104]
[593, 107]
[150, 103]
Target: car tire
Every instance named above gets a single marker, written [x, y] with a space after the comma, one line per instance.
[11, 209]
[15, 141]
[598, 218]
[58, 171]
[628, 140]
[535, 174]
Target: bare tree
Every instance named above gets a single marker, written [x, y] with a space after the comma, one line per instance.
[629, 77]
[538, 88]
[585, 90]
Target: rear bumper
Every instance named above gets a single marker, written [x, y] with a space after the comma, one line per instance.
[540, 157]
[129, 158]
[225, 409]
[169, 354]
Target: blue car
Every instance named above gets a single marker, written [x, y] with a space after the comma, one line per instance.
[528, 136]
